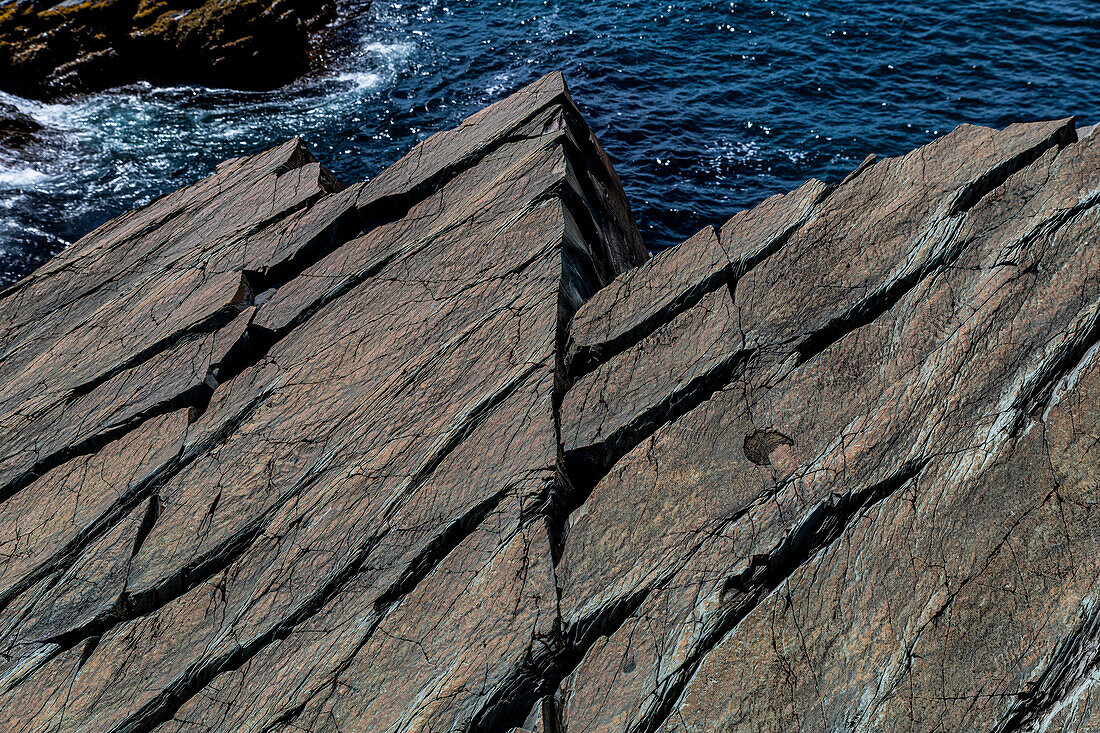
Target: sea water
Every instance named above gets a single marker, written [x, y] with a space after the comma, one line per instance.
[704, 107]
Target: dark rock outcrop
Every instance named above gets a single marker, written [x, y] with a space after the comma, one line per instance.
[446, 451]
[50, 49]
[17, 130]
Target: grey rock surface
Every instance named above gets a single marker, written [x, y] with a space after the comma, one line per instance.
[447, 451]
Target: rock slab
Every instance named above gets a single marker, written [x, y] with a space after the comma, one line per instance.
[446, 451]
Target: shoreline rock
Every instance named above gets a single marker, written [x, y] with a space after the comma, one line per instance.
[52, 49]
[17, 130]
[447, 450]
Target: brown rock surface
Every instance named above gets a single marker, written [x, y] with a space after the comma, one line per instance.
[445, 451]
[50, 49]
[916, 559]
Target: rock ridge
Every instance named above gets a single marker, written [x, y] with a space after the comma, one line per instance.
[447, 450]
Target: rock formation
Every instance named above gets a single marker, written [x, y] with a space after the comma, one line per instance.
[446, 451]
[17, 130]
[50, 49]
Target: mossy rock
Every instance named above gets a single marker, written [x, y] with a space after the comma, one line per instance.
[50, 49]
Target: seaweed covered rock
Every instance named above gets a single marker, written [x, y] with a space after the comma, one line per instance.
[17, 130]
[50, 49]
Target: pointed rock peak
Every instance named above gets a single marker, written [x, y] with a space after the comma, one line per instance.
[296, 153]
[530, 98]
[1005, 152]
[752, 235]
[859, 169]
[448, 152]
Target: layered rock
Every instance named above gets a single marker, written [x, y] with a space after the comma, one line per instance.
[50, 49]
[446, 451]
[871, 505]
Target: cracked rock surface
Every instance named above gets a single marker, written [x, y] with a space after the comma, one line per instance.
[446, 451]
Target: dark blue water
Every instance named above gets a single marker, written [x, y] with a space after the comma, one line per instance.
[705, 107]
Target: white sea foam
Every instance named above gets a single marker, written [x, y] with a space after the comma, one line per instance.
[361, 80]
[21, 177]
[378, 64]
[57, 115]
[501, 83]
[396, 51]
[119, 148]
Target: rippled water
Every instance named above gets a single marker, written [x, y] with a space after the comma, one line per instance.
[705, 107]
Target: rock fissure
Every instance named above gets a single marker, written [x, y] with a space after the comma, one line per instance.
[1070, 664]
[820, 528]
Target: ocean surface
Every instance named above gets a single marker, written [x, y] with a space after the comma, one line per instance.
[704, 107]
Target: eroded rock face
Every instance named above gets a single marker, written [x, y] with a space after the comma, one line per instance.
[50, 49]
[446, 451]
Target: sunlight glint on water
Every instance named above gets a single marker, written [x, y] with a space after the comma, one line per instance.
[705, 107]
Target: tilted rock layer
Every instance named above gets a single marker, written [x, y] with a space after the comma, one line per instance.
[50, 49]
[447, 451]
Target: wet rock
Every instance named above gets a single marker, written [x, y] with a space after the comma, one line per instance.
[447, 451]
[50, 49]
[17, 130]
